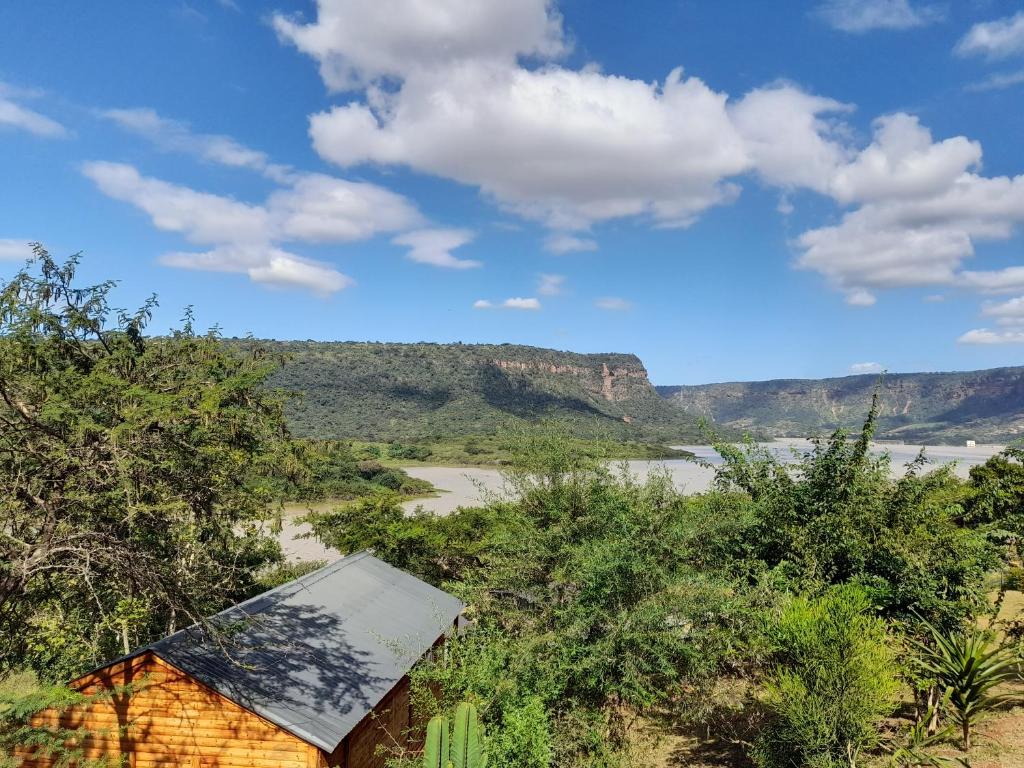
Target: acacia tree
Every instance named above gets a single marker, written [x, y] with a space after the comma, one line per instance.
[128, 504]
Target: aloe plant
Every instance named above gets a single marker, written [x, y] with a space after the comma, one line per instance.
[968, 666]
[462, 748]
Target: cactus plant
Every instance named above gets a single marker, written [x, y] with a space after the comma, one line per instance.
[463, 748]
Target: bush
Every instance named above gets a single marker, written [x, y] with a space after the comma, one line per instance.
[832, 682]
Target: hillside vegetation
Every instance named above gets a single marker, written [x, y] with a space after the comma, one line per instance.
[986, 406]
[431, 392]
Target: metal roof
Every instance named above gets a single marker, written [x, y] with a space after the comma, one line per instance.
[315, 655]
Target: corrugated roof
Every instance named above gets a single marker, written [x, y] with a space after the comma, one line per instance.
[314, 656]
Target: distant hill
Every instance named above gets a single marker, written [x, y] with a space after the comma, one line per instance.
[383, 391]
[986, 406]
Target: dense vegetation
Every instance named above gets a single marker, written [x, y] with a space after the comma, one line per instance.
[599, 602]
[139, 477]
[809, 615]
[986, 406]
[433, 392]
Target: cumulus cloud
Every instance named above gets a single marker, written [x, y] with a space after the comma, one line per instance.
[984, 336]
[357, 42]
[177, 136]
[1008, 280]
[563, 147]
[1006, 313]
[200, 216]
[866, 15]
[16, 115]
[789, 137]
[315, 209]
[482, 304]
[922, 208]
[521, 303]
[998, 39]
[434, 247]
[612, 304]
[321, 208]
[14, 249]
[859, 368]
[562, 242]
[550, 285]
[264, 264]
[446, 89]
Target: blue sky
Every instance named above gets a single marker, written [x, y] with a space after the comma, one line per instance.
[732, 190]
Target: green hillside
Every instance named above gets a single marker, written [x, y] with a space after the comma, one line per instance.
[377, 391]
[986, 406]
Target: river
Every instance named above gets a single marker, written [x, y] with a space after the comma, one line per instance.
[466, 486]
[469, 486]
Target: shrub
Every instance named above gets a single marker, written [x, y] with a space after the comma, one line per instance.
[832, 681]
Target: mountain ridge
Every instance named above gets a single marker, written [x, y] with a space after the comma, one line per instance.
[985, 405]
[395, 391]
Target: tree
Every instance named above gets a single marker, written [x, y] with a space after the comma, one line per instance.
[836, 515]
[831, 682]
[130, 472]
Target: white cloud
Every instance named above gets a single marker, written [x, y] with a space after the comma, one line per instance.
[562, 243]
[444, 90]
[15, 115]
[787, 137]
[434, 247]
[996, 39]
[482, 304]
[202, 217]
[550, 285]
[320, 208]
[264, 264]
[176, 136]
[1008, 280]
[315, 208]
[357, 42]
[922, 210]
[521, 303]
[1006, 313]
[998, 81]
[859, 368]
[983, 336]
[13, 249]
[559, 146]
[612, 304]
[903, 162]
[867, 15]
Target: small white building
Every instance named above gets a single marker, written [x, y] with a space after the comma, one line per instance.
[971, 444]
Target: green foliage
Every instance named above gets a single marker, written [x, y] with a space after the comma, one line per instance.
[998, 492]
[969, 666]
[585, 595]
[120, 465]
[832, 681]
[22, 697]
[425, 393]
[411, 452]
[837, 516]
[436, 549]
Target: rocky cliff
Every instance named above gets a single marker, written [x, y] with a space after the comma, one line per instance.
[986, 406]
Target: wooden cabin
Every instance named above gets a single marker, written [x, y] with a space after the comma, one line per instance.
[311, 674]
